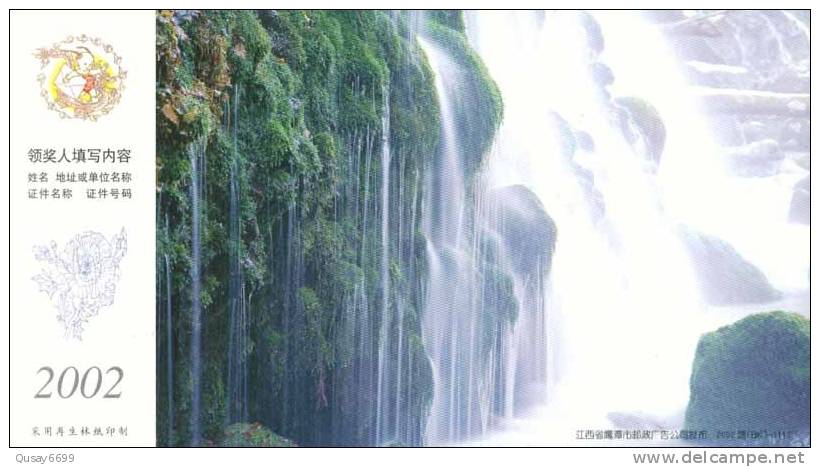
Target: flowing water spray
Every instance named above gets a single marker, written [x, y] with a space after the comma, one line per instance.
[384, 267]
[697, 189]
[447, 295]
[483, 322]
[623, 302]
[169, 347]
[624, 308]
[197, 156]
[237, 387]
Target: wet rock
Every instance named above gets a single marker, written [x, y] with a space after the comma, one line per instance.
[584, 177]
[597, 207]
[799, 210]
[800, 159]
[696, 48]
[595, 38]
[750, 376]
[253, 435]
[564, 133]
[792, 134]
[773, 46]
[602, 74]
[592, 196]
[584, 141]
[519, 220]
[700, 25]
[757, 159]
[724, 276]
[643, 125]
[795, 134]
[746, 103]
[720, 76]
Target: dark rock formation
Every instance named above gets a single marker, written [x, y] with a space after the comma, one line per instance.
[752, 377]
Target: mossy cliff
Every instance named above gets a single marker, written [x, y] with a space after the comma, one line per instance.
[302, 139]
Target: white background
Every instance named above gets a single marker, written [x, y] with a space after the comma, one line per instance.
[121, 334]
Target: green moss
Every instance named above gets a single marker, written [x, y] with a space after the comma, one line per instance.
[453, 19]
[253, 435]
[477, 103]
[285, 101]
[752, 375]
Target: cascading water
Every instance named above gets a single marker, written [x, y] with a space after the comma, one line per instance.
[197, 156]
[388, 254]
[606, 290]
[624, 308]
[446, 264]
[169, 347]
[384, 266]
[483, 323]
[238, 320]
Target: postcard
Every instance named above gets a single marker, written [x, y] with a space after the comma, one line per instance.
[410, 228]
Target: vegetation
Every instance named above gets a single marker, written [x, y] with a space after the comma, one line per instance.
[253, 435]
[287, 109]
[752, 376]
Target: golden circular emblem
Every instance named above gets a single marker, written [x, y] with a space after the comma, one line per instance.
[81, 77]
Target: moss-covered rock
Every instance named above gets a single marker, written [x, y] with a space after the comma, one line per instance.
[752, 376]
[524, 228]
[253, 435]
[642, 123]
[725, 277]
[477, 102]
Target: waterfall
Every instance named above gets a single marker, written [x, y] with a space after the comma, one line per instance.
[384, 266]
[605, 286]
[483, 321]
[196, 154]
[234, 305]
[442, 227]
[238, 320]
[169, 347]
[623, 309]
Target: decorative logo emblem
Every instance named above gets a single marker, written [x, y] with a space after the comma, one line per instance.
[81, 77]
[82, 278]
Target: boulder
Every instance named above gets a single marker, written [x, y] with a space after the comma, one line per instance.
[757, 159]
[602, 74]
[642, 117]
[799, 211]
[528, 234]
[595, 38]
[751, 379]
[563, 133]
[725, 277]
[253, 435]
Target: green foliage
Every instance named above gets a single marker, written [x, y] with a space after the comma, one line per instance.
[453, 19]
[286, 103]
[752, 375]
[253, 435]
[477, 103]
